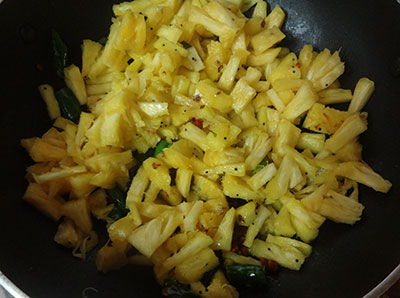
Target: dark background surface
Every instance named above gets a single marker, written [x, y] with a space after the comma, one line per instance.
[346, 261]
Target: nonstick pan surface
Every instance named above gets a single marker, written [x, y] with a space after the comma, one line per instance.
[347, 261]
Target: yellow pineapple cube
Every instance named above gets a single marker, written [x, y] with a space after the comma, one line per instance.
[78, 211]
[37, 197]
[90, 52]
[235, 187]
[214, 97]
[41, 150]
[158, 172]
[192, 269]
[242, 94]
[206, 188]
[275, 18]
[266, 39]
[302, 102]
[324, 119]
[47, 93]
[254, 228]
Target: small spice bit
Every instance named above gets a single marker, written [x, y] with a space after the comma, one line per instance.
[264, 261]
[194, 59]
[241, 220]
[39, 67]
[244, 250]
[155, 165]
[235, 248]
[198, 122]
[152, 130]
[218, 93]
[263, 24]
[197, 97]
[298, 64]
[272, 265]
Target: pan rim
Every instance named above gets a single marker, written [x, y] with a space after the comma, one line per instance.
[376, 292]
[10, 287]
[385, 285]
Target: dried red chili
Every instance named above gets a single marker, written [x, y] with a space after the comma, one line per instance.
[235, 248]
[39, 67]
[198, 122]
[197, 97]
[272, 265]
[264, 261]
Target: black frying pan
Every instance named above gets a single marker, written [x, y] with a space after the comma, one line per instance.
[346, 261]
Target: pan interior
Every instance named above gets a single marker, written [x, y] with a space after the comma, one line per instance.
[346, 261]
